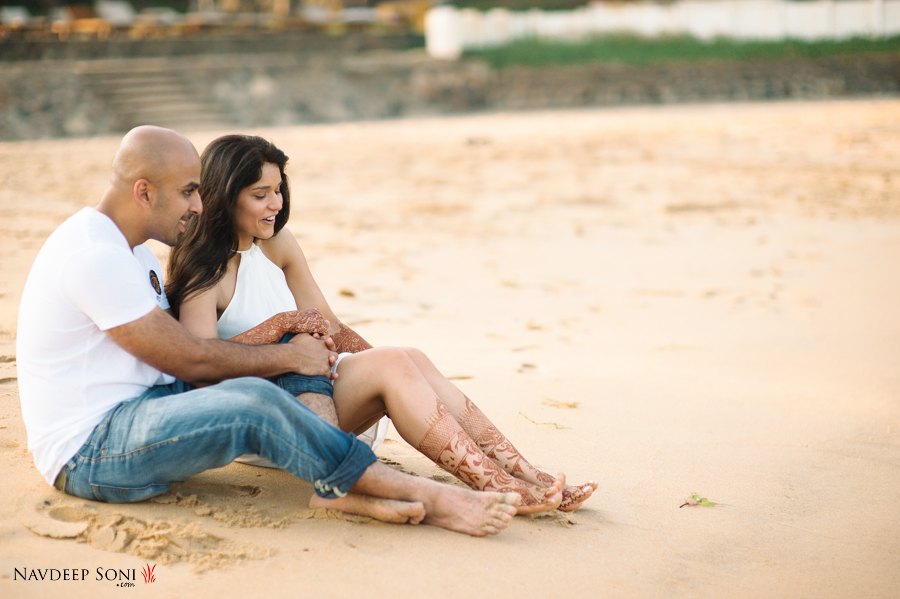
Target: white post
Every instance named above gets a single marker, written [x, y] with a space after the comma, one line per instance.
[443, 33]
[878, 18]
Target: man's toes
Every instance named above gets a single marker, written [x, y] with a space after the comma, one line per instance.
[489, 530]
[512, 499]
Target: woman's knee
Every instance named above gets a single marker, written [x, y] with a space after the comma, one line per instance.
[415, 354]
[418, 357]
[396, 362]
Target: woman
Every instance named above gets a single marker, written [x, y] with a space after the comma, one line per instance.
[238, 275]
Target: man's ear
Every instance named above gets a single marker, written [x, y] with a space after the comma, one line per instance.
[143, 192]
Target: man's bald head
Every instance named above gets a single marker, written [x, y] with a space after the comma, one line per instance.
[154, 187]
[150, 152]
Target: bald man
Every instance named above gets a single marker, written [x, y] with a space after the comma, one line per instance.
[105, 373]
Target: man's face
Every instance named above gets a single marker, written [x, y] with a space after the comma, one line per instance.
[177, 199]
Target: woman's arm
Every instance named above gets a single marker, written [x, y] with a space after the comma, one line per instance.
[199, 314]
[347, 340]
[284, 251]
[273, 329]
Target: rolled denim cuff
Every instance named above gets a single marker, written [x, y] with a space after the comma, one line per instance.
[339, 482]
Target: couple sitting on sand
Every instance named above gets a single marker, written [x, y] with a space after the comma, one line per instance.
[120, 399]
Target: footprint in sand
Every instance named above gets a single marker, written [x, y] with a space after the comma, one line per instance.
[395, 464]
[162, 541]
[229, 504]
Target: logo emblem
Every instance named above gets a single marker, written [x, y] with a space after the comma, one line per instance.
[154, 282]
[147, 572]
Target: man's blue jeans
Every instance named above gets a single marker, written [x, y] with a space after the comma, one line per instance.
[168, 434]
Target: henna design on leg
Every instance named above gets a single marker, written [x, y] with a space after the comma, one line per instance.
[448, 445]
[501, 450]
[497, 447]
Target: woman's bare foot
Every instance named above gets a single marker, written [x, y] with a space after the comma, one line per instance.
[537, 499]
[394, 511]
[476, 513]
[573, 497]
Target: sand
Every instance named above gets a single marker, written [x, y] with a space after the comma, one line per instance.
[675, 300]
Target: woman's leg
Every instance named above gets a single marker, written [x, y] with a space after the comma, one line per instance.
[489, 438]
[383, 380]
[315, 392]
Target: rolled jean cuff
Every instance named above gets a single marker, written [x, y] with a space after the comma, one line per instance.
[339, 482]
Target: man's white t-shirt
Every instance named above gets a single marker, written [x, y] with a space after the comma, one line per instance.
[85, 280]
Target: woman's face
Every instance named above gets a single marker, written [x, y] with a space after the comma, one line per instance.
[256, 207]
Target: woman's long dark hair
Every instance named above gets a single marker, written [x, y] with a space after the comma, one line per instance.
[228, 165]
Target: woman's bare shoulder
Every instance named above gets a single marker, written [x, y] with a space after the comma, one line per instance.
[282, 248]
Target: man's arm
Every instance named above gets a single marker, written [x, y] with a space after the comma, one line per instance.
[161, 341]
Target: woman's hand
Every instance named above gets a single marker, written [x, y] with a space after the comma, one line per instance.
[306, 321]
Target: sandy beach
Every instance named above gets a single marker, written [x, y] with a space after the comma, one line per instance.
[669, 300]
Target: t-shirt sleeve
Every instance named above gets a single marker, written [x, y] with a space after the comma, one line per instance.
[153, 274]
[108, 284]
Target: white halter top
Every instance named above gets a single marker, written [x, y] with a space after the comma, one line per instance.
[261, 291]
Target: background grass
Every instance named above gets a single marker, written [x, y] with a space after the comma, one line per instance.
[633, 50]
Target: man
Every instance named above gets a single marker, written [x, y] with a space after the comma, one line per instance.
[102, 368]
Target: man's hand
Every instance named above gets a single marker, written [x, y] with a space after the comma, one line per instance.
[315, 356]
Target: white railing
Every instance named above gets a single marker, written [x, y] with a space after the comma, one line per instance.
[449, 31]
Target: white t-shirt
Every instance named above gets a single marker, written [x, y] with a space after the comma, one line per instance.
[84, 280]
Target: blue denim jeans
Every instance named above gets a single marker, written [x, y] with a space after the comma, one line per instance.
[297, 384]
[170, 433]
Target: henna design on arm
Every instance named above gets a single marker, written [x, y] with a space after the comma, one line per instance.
[347, 340]
[273, 329]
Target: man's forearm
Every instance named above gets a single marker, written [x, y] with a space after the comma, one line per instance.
[161, 341]
[220, 360]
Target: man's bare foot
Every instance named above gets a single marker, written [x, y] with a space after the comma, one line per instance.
[476, 513]
[394, 511]
[573, 497]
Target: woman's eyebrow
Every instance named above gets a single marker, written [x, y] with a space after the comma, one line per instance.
[267, 186]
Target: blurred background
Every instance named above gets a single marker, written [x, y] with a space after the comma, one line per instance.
[79, 68]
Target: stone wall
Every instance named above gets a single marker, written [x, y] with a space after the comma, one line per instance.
[43, 99]
[39, 100]
[283, 91]
[707, 81]
[21, 47]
